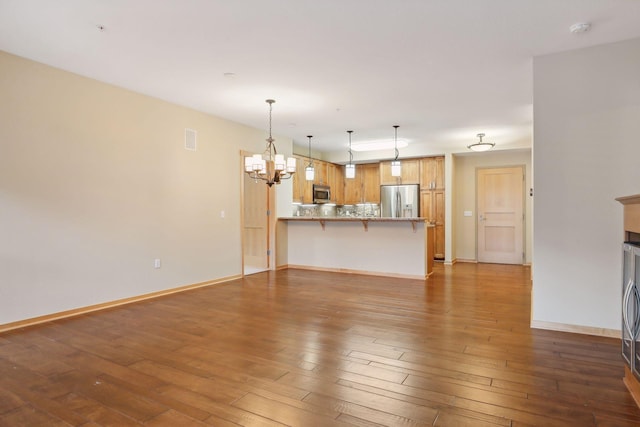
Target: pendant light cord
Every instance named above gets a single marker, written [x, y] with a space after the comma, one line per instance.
[396, 142]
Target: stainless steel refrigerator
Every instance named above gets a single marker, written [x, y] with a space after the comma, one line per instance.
[399, 201]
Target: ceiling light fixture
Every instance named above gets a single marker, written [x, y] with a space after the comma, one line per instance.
[396, 168]
[309, 171]
[350, 168]
[269, 166]
[480, 145]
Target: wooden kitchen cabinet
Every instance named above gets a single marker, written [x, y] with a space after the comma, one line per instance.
[432, 209]
[353, 188]
[335, 177]
[371, 183]
[432, 173]
[321, 176]
[302, 189]
[409, 173]
[365, 187]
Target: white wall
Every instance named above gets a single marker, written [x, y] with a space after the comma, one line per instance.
[586, 153]
[464, 195]
[95, 184]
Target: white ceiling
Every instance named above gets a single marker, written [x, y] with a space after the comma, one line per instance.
[443, 70]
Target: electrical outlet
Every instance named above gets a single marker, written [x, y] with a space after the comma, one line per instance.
[156, 263]
[221, 214]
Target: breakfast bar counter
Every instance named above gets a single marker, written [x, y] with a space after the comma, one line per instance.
[397, 247]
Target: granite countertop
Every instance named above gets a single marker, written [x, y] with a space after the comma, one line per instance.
[351, 218]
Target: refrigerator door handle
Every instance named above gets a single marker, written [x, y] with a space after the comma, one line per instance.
[398, 203]
[625, 308]
[636, 325]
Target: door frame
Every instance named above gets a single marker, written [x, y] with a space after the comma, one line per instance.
[270, 256]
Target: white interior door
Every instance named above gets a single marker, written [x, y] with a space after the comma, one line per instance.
[255, 244]
[500, 195]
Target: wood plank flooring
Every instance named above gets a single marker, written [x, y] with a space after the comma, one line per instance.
[304, 348]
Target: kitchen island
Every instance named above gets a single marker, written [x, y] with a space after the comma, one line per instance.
[396, 247]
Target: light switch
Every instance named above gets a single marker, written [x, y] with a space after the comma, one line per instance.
[221, 214]
[468, 213]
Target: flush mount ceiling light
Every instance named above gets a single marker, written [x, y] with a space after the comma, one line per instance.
[396, 168]
[350, 168]
[270, 166]
[309, 171]
[480, 145]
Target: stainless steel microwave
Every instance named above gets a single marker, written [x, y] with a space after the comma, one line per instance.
[321, 193]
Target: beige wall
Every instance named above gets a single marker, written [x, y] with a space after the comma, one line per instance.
[464, 194]
[586, 151]
[95, 184]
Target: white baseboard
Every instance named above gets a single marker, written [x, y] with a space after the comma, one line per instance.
[110, 304]
[576, 329]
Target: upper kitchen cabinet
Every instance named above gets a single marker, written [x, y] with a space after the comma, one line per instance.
[302, 189]
[353, 188]
[335, 177]
[409, 173]
[365, 187]
[432, 173]
[320, 175]
[370, 183]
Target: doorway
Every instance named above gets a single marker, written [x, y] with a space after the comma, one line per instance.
[500, 221]
[256, 199]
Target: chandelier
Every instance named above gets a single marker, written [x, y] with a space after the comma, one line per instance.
[270, 166]
[480, 145]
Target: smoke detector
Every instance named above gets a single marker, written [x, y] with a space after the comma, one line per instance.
[580, 27]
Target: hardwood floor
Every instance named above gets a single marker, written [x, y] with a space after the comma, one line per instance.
[304, 348]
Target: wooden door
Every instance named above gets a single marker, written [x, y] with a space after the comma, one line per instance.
[255, 220]
[432, 209]
[438, 213]
[500, 195]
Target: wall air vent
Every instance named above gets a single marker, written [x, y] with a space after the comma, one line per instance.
[190, 139]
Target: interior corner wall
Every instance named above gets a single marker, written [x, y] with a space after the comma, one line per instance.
[466, 166]
[586, 153]
[96, 183]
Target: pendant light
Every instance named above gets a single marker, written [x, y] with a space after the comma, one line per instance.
[309, 171]
[350, 168]
[480, 145]
[396, 169]
[270, 166]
